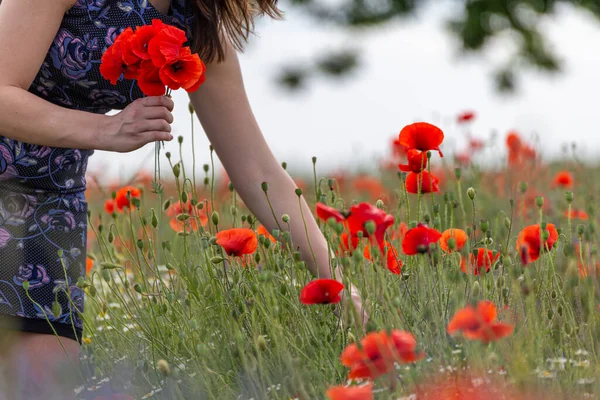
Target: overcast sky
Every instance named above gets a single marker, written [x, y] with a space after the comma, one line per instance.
[410, 72]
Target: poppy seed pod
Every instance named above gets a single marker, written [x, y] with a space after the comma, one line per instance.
[484, 225]
[168, 154]
[523, 187]
[285, 218]
[539, 201]
[284, 165]
[471, 193]
[457, 173]
[314, 160]
[298, 192]
[476, 290]
[264, 186]
[569, 197]
[180, 139]
[215, 218]
[190, 107]
[379, 204]
[153, 218]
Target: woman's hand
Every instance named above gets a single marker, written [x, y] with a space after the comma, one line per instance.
[143, 121]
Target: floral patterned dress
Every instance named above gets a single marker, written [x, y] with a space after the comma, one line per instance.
[43, 212]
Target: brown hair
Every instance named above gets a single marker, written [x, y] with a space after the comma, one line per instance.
[234, 19]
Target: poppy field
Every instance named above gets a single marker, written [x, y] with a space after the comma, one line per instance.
[478, 281]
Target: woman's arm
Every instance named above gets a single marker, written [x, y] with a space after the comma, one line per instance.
[225, 114]
[27, 29]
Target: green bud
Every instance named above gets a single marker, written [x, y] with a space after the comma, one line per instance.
[179, 139]
[471, 193]
[56, 309]
[484, 225]
[298, 192]
[314, 160]
[457, 173]
[476, 290]
[92, 290]
[166, 204]
[370, 227]
[176, 170]
[230, 187]
[206, 181]
[153, 218]
[264, 186]
[140, 244]
[285, 218]
[452, 243]
[539, 201]
[284, 165]
[550, 313]
[184, 197]
[580, 229]
[166, 245]
[137, 288]
[106, 275]
[217, 260]
[379, 204]
[569, 197]
[190, 107]
[507, 222]
[215, 218]
[25, 285]
[523, 187]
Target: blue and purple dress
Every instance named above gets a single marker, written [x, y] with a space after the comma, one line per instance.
[43, 212]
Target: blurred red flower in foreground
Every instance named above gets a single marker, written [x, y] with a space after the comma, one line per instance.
[563, 179]
[529, 242]
[417, 161]
[321, 291]
[325, 212]
[479, 324]
[417, 240]
[428, 182]
[237, 241]
[471, 386]
[364, 392]
[422, 136]
[393, 263]
[121, 200]
[362, 213]
[484, 261]
[89, 264]
[460, 238]
[378, 352]
[465, 117]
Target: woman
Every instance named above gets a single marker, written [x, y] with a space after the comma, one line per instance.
[53, 102]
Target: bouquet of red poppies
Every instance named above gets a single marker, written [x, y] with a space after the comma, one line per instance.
[156, 57]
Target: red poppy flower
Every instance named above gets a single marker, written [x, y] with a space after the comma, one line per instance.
[113, 65]
[476, 144]
[143, 36]
[261, 230]
[89, 264]
[422, 136]
[484, 261]
[465, 117]
[321, 291]
[398, 149]
[369, 185]
[479, 324]
[149, 80]
[462, 158]
[513, 142]
[109, 206]
[361, 213]
[529, 242]
[460, 237]
[325, 212]
[419, 239]
[237, 241]
[429, 183]
[400, 233]
[393, 262]
[191, 224]
[187, 71]
[364, 392]
[378, 352]
[121, 200]
[563, 179]
[166, 45]
[577, 214]
[348, 243]
[417, 161]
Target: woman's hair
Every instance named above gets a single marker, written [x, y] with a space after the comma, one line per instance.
[233, 19]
